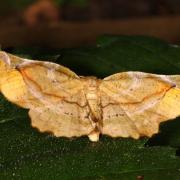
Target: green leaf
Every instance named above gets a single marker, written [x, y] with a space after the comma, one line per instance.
[27, 154]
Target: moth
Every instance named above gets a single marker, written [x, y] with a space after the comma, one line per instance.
[127, 104]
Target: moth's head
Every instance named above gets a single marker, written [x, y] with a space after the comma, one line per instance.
[90, 81]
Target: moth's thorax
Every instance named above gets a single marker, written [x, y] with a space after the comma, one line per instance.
[92, 96]
[91, 85]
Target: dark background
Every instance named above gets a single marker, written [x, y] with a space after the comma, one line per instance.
[72, 23]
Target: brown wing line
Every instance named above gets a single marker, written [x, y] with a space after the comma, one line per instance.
[134, 103]
[24, 74]
[52, 95]
[129, 85]
[146, 98]
[21, 70]
[151, 116]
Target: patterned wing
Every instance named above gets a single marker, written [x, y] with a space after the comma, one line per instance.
[12, 85]
[53, 93]
[135, 103]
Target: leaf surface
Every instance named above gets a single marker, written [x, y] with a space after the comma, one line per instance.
[27, 154]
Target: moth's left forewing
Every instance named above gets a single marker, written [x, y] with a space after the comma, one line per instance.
[143, 98]
[64, 110]
[52, 82]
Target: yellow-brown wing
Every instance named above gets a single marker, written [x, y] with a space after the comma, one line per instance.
[135, 103]
[12, 85]
[53, 93]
